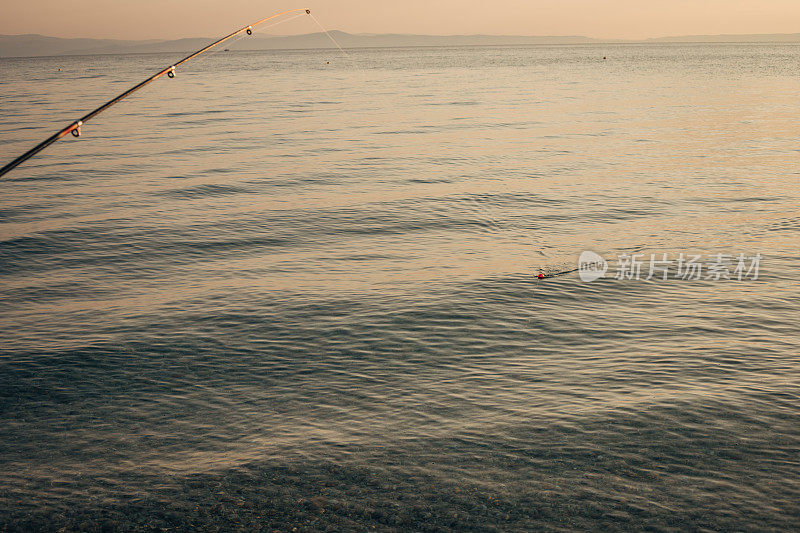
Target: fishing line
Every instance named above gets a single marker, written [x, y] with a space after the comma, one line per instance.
[480, 207]
[242, 36]
[75, 127]
[329, 36]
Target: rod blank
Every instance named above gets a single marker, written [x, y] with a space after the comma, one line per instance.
[75, 127]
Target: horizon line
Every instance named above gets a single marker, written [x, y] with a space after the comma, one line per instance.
[369, 34]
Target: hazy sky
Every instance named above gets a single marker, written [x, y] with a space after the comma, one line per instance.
[146, 19]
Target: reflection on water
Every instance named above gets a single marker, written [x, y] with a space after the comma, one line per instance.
[275, 292]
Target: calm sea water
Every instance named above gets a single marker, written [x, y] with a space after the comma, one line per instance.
[277, 292]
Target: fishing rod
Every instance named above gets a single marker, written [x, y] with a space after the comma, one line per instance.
[75, 127]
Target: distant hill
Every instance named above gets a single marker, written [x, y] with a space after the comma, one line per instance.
[40, 45]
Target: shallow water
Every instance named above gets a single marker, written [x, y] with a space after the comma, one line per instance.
[276, 292]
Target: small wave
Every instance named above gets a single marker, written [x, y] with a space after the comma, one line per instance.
[202, 191]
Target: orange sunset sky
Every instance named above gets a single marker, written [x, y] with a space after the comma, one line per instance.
[629, 19]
